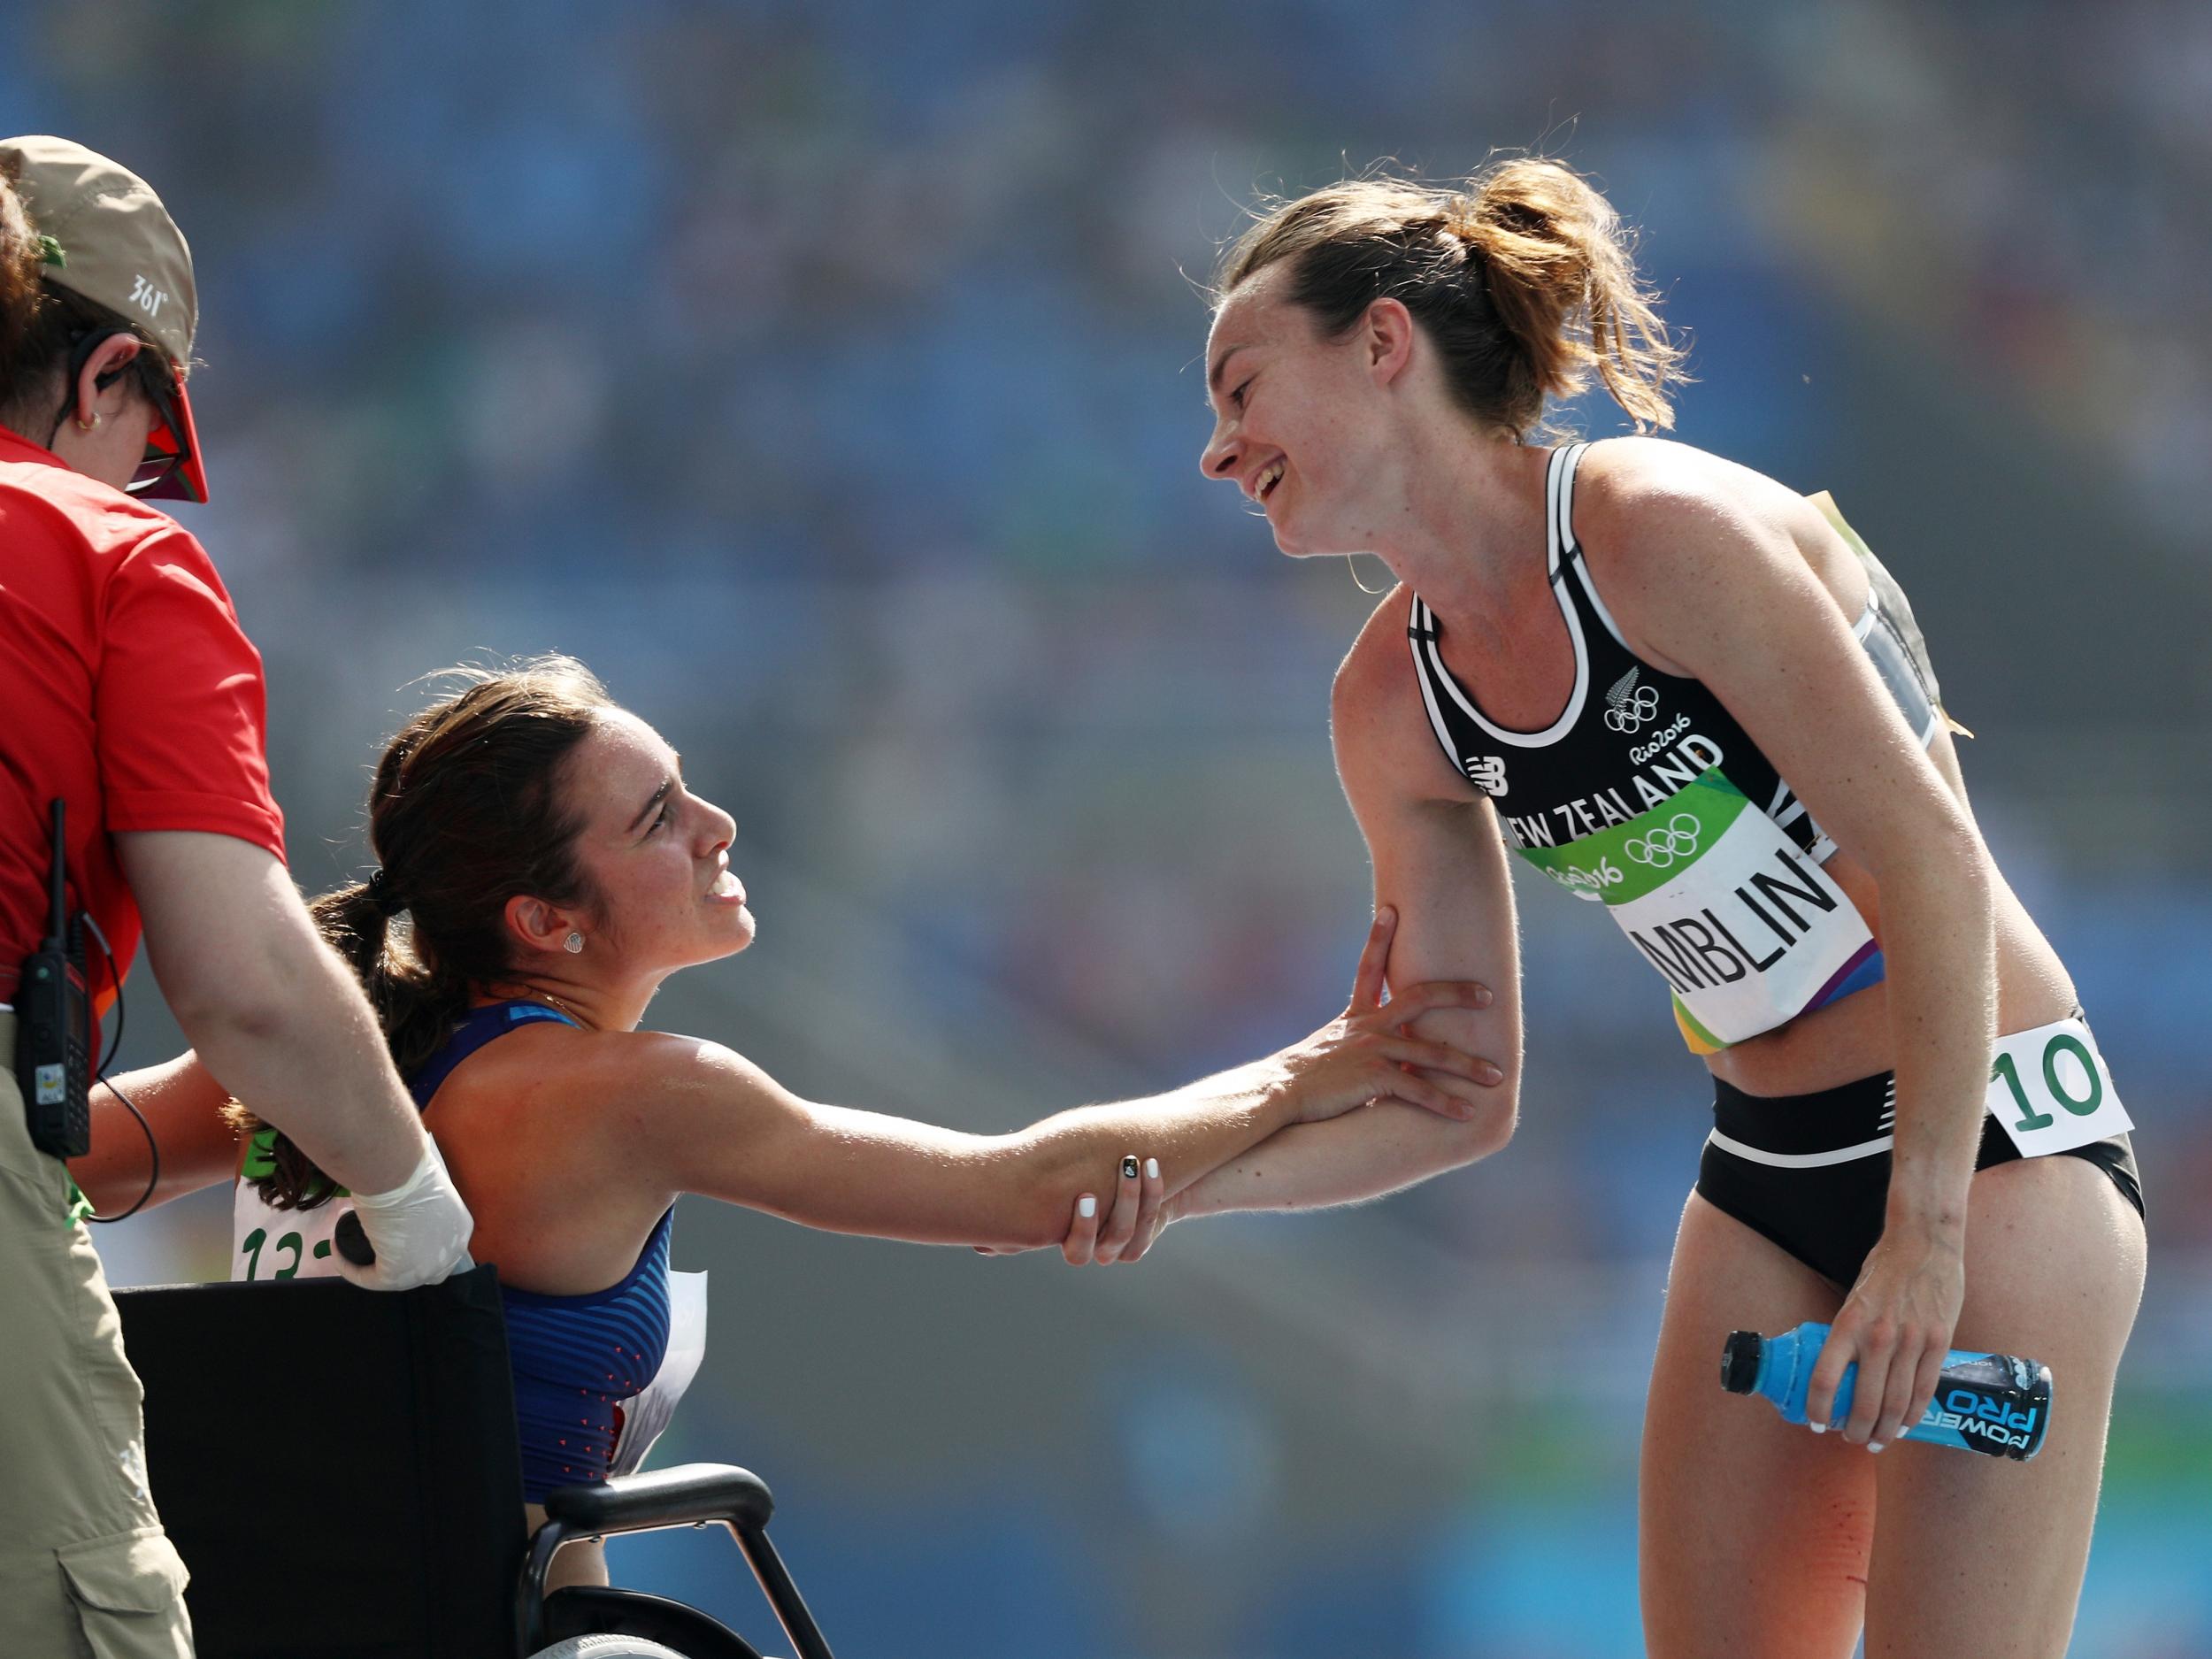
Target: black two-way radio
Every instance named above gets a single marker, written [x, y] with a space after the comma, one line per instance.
[53, 1027]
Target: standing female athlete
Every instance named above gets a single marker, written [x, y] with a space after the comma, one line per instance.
[1692, 696]
[554, 870]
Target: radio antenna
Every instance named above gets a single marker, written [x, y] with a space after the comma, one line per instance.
[57, 910]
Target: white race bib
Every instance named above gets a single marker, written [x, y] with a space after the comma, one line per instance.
[645, 1414]
[1747, 930]
[271, 1243]
[2050, 1090]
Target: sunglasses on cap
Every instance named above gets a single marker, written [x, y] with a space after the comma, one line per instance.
[171, 469]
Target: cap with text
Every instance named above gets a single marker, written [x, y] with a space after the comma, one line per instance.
[107, 237]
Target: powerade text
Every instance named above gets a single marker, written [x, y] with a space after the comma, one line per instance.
[1976, 1416]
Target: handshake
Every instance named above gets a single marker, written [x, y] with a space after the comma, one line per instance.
[1363, 1057]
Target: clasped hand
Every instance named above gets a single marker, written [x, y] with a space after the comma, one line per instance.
[1365, 1054]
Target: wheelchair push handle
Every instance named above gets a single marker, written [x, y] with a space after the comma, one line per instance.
[352, 1240]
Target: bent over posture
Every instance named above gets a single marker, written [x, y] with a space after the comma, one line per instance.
[1694, 699]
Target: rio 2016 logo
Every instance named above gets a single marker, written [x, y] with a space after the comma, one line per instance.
[1676, 837]
[1587, 884]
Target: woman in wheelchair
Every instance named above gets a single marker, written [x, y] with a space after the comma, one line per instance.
[552, 870]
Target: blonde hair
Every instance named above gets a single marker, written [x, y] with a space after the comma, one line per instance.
[1522, 279]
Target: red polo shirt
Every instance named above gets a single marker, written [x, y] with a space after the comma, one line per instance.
[127, 688]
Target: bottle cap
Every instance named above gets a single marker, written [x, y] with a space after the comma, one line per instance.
[1739, 1362]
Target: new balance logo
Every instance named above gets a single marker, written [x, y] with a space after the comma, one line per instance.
[1487, 772]
[147, 297]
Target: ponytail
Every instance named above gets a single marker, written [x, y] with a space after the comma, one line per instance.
[415, 1006]
[1523, 281]
[417, 1001]
[1561, 279]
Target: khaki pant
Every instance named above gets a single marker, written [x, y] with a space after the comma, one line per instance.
[86, 1571]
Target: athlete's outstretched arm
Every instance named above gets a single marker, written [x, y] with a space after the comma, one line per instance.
[1440, 862]
[700, 1118]
[183, 1107]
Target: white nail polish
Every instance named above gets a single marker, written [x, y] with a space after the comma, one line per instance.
[1087, 1206]
[1819, 1428]
[1152, 1169]
[1874, 1446]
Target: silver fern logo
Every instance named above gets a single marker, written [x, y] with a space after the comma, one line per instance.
[1629, 706]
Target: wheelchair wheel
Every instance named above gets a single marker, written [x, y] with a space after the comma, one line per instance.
[606, 1647]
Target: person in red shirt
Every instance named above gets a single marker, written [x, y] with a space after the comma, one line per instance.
[134, 699]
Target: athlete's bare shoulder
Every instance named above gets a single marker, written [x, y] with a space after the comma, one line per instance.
[1624, 482]
[1365, 670]
[1375, 682]
[1378, 720]
[556, 1119]
[549, 1069]
[1653, 511]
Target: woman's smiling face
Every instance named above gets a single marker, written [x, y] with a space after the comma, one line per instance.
[654, 858]
[1300, 421]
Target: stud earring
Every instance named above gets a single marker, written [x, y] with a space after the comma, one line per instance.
[87, 426]
[573, 943]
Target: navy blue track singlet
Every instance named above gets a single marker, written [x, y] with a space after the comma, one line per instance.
[572, 1357]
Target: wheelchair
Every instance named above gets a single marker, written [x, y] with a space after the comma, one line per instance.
[339, 1470]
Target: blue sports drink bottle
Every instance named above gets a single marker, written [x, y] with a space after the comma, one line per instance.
[1984, 1402]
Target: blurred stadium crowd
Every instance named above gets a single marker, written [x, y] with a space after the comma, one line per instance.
[824, 374]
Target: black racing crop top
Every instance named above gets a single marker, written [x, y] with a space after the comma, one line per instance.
[1647, 795]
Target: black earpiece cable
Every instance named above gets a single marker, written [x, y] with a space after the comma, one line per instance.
[153, 1147]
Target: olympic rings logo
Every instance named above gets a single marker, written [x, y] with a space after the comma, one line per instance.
[1631, 713]
[1676, 839]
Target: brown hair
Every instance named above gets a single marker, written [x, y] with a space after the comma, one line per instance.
[1522, 280]
[466, 812]
[41, 322]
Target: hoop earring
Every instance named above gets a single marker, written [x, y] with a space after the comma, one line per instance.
[1351, 564]
[573, 944]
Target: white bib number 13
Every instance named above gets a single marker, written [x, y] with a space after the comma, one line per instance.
[2050, 1090]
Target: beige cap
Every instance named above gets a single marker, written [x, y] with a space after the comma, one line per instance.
[110, 238]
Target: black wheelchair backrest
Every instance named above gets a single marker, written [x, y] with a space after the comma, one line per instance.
[339, 1470]
[337, 1467]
